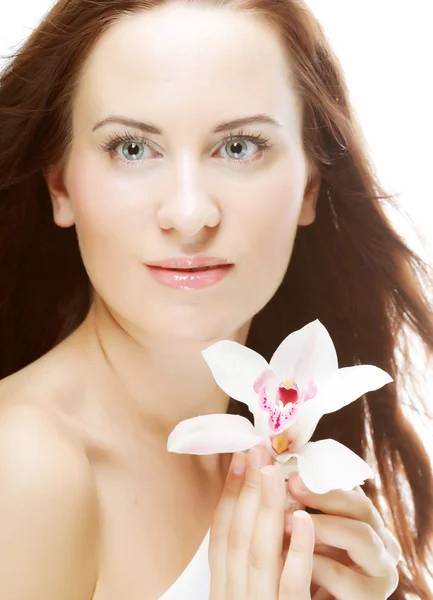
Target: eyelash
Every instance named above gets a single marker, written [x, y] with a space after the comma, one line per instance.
[123, 138]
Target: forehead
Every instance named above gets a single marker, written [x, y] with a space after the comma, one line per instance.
[182, 58]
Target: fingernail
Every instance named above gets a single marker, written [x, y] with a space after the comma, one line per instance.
[299, 521]
[238, 463]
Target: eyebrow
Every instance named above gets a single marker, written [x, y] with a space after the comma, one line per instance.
[225, 126]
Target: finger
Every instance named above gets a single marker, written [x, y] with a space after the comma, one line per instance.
[344, 503]
[224, 515]
[319, 548]
[265, 562]
[242, 527]
[297, 571]
[350, 504]
[323, 550]
[221, 522]
[321, 594]
[267, 458]
[362, 544]
[342, 582]
[317, 592]
[390, 541]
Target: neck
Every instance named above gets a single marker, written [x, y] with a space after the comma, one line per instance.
[155, 383]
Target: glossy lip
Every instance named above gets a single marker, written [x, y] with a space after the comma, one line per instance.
[190, 280]
[189, 263]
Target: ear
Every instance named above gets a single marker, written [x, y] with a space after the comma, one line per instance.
[307, 214]
[62, 206]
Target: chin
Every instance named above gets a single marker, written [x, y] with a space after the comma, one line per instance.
[199, 328]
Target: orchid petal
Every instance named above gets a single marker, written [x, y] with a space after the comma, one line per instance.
[303, 428]
[310, 391]
[213, 434]
[272, 386]
[347, 385]
[283, 459]
[265, 386]
[262, 380]
[328, 465]
[305, 355]
[261, 420]
[342, 387]
[235, 368]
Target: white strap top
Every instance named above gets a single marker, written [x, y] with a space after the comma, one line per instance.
[194, 582]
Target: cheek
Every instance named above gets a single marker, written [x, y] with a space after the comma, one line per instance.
[273, 218]
[110, 215]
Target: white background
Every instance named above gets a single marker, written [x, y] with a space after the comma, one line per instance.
[386, 48]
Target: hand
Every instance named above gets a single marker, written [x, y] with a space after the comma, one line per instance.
[355, 556]
[246, 538]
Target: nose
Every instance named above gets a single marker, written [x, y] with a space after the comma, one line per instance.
[190, 207]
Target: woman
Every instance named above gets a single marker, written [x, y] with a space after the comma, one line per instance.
[128, 138]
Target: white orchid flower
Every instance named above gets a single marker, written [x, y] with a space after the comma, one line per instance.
[287, 398]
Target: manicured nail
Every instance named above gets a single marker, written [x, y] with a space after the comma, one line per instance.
[239, 463]
[299, 522]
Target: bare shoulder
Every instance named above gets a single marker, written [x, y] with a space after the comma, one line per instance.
[48, 508]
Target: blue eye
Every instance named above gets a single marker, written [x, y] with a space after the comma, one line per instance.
[133, 149]
[236, 143]
[130, 144]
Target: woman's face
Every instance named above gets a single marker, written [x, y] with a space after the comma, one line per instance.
[186, 191]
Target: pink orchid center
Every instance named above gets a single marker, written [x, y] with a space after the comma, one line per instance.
[288, 393]
[283, 409]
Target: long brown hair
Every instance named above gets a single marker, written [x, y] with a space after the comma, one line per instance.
[350, 268]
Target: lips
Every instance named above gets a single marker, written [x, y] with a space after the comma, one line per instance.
[193, 270]
[194, 278]
[186, 264]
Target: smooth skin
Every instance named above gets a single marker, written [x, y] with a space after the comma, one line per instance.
[48, 509]
[355, 557]
[246, 537]
[344, 553]
[48, 492]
